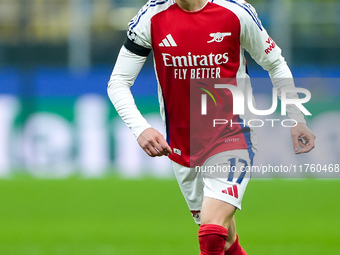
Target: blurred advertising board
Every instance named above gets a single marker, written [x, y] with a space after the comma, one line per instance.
[57, 124]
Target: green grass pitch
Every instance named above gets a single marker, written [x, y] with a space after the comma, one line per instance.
[145, 217]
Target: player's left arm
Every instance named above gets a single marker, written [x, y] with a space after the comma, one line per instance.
[255, 39]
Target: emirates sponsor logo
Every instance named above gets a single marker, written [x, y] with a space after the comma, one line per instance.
[195, 60]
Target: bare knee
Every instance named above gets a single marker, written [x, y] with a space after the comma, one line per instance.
[231, 234]
[217, 212]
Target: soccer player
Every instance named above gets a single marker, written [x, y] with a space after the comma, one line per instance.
[199, 40]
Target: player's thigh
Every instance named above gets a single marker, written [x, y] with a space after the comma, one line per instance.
[217, 212]
[191, 184]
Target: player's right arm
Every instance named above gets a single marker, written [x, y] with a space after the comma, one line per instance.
[130, 60]
[125, 72]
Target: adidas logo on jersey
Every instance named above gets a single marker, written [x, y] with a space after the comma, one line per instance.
[232, 191]
[168, 41]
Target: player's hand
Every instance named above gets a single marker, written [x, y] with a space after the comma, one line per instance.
[153, 143]
[303, 138]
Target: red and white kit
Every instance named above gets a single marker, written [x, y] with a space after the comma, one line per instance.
[205, 44]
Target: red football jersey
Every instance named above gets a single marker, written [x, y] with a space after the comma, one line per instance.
[192, 51]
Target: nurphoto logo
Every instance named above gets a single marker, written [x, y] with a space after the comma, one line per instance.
[243, 104]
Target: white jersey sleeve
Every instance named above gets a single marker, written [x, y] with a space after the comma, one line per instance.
[263, 49]
[130, 60]
[125, 72]
[140, 27]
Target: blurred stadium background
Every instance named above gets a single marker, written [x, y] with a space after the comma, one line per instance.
[74, 181]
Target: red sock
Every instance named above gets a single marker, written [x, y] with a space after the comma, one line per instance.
[212, 239]
[235, 249]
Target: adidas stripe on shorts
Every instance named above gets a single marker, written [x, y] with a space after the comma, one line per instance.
[223, 176]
